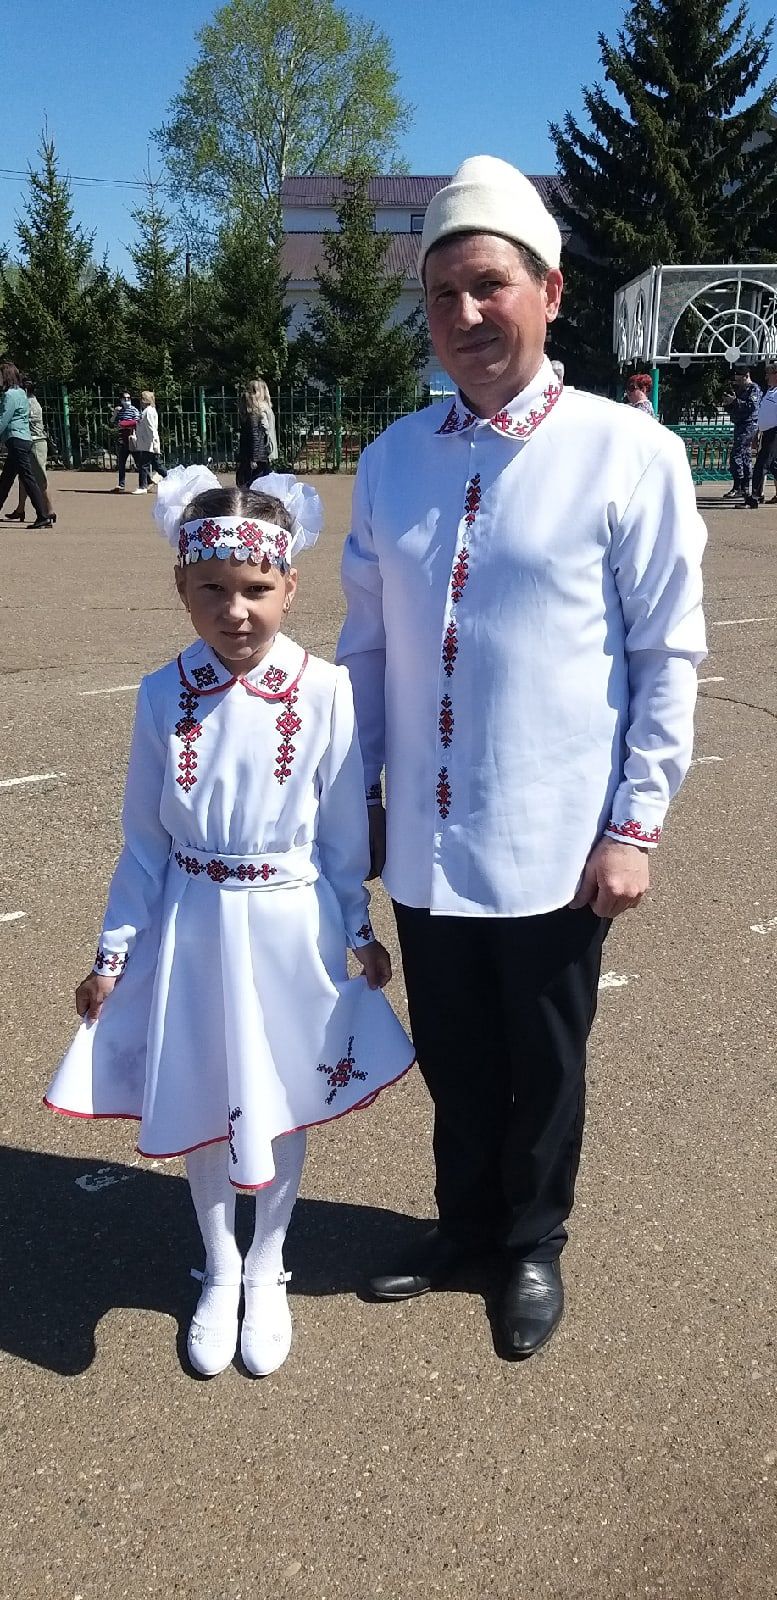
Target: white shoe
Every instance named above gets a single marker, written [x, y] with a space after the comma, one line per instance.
[265, 1338]
[212, 1339]
[140, 491]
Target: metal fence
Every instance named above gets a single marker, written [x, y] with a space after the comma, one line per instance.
[319, 429]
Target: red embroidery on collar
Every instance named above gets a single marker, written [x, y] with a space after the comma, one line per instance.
[634, 830]
[520, 427]
[274, 678]
[340, 1076]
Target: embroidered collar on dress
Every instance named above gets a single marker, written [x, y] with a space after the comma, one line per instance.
[278, 673]
[520, 418]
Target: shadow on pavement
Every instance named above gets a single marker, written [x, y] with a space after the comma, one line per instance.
[81, 1238]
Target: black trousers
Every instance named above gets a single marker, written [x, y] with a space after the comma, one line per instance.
[767, 451]
[19, 464]
[500, 1012]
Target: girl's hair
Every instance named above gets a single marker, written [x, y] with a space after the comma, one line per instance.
[147, 397]
[9, 375]
[238, 503]
[255, 398]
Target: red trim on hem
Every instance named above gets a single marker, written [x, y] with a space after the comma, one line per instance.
[223, 1138]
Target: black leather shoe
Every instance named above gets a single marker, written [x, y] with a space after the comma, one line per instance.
[429, 1265]
[532, 1307]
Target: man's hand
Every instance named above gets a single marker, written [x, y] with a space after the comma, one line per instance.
[376, 962]
[92, 994]
[377, 817]
[615, 878]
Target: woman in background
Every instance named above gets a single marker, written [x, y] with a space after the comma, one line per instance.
[15, 435]
[258, 445]
[38, 457]
[148, 451]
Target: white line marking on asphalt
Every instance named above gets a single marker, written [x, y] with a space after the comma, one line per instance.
[101, 1179]
[121, 688]
[764, 927]
[711, 680]
[616, 980]
[12, 916]
[700, 761]
[32, 777]
[739, 622]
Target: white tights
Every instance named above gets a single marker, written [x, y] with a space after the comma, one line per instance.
[214, 1203]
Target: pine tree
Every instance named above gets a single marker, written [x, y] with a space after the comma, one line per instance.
[667, 172]
[156, 300]
[351, 338]
[43, 301]
[247, 291]
[102, 345]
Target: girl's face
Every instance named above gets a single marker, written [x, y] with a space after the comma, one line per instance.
[235, 607]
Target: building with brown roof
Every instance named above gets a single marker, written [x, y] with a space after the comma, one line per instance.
[400, 200]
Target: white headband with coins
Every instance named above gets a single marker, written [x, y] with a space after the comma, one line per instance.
[247, 538]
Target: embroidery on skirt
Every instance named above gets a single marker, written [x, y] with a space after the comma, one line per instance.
[340, 1076]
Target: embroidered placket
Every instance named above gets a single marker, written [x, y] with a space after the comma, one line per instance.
[446, 720]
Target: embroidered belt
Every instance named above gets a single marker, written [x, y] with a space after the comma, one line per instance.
[273, 870]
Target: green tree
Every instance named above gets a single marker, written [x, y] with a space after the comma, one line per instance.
[247, 290]
[102, 346]
[43, 307]
[352, 335]
[667, 171]
[280, 86]
[156, 301]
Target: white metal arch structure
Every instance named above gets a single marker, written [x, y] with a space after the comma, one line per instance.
[696, 313]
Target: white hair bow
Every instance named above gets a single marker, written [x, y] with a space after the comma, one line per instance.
[302, 502]
[175, 493]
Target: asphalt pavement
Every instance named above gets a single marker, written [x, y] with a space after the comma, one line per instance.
[395, 1454]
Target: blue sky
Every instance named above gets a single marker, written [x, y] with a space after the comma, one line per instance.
[480, 79]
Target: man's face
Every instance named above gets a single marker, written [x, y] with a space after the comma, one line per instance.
[771, 377]
[741, 380]
[488, 317]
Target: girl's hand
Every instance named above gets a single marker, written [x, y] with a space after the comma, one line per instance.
[376, 962]
[91, 995]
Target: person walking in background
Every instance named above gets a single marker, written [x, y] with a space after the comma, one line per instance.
[147, 447]
[637, 392]
[258, 445]
[38, 457]
[15, 435]
[125, 415]
[767, 427]
[742, 404]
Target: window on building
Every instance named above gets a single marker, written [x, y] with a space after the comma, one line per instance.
[417, 222]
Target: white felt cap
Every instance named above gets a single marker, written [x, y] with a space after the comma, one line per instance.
[487, 195]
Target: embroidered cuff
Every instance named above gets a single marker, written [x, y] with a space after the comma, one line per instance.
[633, 832]
[375, 794]
[362, 935]
[109, 963]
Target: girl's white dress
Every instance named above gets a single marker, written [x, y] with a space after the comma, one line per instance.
[238, 889]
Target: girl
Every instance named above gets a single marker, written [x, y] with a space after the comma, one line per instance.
[258, 446]
[219, 1010]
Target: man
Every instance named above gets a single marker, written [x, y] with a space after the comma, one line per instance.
[522, 644]
[742, 407]
[767, 427]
